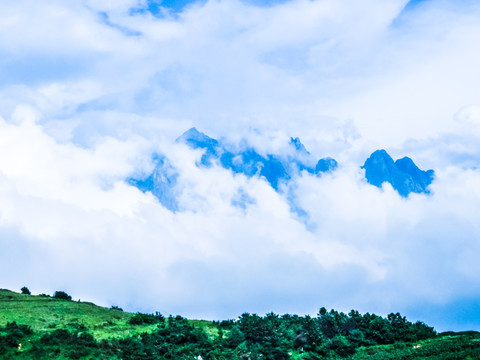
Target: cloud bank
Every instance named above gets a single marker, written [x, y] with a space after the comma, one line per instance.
[90, 91]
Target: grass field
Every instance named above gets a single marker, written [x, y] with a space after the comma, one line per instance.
[45, 315]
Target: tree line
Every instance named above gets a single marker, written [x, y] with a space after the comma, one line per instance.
[330, 334]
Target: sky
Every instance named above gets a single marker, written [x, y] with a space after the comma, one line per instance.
[89, 90]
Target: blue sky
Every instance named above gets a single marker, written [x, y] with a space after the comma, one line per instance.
[89, 90]
[179, 5]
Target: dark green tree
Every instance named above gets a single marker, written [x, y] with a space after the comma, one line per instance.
[62, 295]
[25, 291]
[236, 337]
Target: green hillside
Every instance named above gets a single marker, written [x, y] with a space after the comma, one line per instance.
[45, 314]
[44, 327]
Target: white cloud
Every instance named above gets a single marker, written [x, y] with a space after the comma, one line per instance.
[87, 99]
[122, 6]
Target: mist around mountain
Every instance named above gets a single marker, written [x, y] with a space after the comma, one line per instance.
[96, 92]
[277, 169]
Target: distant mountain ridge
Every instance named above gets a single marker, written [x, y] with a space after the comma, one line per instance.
[404, 176]
[274, 168]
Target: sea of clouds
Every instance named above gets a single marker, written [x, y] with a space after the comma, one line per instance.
[90, 90]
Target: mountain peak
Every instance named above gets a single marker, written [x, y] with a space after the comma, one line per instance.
[192, 132]
[297, 144]
[404, 176]
[324, 165]
[406, 164]
[194, 137]
[198, 140]
[379, 155]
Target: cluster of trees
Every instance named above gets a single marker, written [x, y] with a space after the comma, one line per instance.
[62, 343]
[331, 334]
[57, 295]
[274, 337]
[11, 335]
[140, 318]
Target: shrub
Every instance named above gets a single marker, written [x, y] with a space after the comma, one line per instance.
[25, 291]
[64, 337]
[11, 335]
[140, 318]
[62, 295]
[18, 330]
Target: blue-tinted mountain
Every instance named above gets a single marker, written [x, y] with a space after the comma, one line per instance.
[326, 165]
[198, 140]
[274, 168]
[299, 147]
[303, 160]
[161, 182]
[250, 163]
[403, 174]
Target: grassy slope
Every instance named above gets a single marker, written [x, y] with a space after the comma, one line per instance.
[45, 314]
[42, 313]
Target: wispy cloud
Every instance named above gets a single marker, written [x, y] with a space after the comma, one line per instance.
[90, 90]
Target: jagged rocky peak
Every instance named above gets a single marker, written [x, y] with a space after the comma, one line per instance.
[404, 176]
[197, 139]
[297, 144]
[406, 164]
[161, 182]
[276, 169]
[379, 167]
[326, 165]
